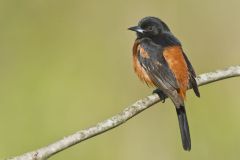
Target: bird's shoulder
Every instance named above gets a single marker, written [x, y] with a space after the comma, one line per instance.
[148, 45]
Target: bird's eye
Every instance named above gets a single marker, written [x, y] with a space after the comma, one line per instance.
[150, 28]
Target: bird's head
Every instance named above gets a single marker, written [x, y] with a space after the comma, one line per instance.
[150, 27]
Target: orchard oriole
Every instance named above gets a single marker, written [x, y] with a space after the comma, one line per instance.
[159, 60]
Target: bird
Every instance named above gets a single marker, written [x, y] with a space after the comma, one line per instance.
[160, 62]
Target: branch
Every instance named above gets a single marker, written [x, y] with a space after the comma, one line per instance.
[126, 114]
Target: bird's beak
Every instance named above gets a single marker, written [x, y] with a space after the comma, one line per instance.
[136, 29]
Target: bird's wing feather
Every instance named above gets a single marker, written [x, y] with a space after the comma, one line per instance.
[157, 68]
[192, 76]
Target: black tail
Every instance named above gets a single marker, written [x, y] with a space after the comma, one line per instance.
[184, 129]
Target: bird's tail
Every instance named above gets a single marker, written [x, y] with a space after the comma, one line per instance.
[184, 129]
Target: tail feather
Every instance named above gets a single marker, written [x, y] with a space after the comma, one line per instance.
[184, 129]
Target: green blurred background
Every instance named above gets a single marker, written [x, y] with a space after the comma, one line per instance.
[66, 65]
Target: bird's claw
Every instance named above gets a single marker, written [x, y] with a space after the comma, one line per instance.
[161, 95]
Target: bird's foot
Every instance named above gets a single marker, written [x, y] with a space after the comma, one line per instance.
[161, 95]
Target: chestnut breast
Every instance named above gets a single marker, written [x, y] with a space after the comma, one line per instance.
[139, 70]
[176, 62]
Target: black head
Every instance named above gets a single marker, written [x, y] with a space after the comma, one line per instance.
[150, 27]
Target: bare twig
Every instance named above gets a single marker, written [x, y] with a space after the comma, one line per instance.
[126, 114]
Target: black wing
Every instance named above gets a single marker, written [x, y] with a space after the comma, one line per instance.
[192, 76]
[157, 68]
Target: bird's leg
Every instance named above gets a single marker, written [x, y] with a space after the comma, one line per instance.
[161, 95]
